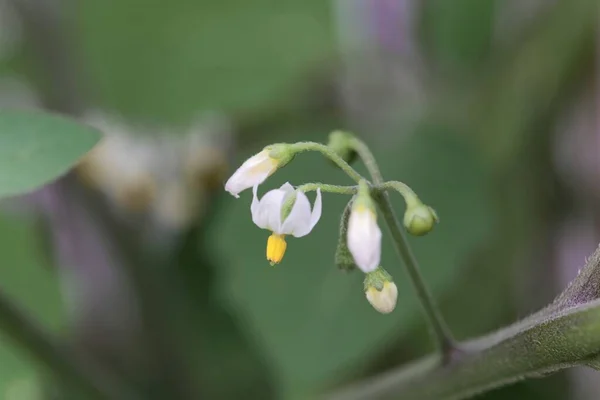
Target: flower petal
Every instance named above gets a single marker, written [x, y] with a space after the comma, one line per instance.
[384, 301]
[364, 239]
[301, 220]
[255, 201]
[298, 222]
[287, 187]
[252, 172]
[316, 213]
[266, 212]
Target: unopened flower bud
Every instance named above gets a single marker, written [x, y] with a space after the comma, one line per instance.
[364, 234]
[259, 167]
[381, 291]
[341, 143]
[420, 219]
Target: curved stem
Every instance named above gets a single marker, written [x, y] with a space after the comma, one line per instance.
[410, 197]
[327, 152]
[310, 187]
[440, 329]
[368, 159]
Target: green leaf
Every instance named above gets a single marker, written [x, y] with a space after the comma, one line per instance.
[34, 288]
[36, 148]
[200, 54]
[313, 320]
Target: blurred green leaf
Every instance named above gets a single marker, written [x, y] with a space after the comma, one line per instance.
[312, 319]
[458, 33]
[33, 287]
[36, 148]
[196, 55]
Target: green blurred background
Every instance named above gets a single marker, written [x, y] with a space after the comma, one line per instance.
[484, 107]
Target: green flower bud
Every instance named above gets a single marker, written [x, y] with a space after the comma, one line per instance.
[420, 219]
[341, 143]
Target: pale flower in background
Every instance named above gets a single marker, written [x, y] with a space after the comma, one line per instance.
[162, 174]
[284, 211]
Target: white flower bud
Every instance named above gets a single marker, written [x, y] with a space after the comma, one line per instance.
[258, 168]
[383, 300]
[364, 235]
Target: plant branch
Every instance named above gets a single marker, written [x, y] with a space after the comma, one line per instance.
[552, 339]
[527, 351]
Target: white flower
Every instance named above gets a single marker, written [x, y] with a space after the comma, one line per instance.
[364, 237]
[252, 172]
[284, 211]
[383, 301]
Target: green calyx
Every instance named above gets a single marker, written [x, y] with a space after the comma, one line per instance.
[343, 257]
[377, 279]
[363, 198]
[341, 143]
[282, 152]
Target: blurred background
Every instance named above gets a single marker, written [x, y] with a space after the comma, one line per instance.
[138, 258]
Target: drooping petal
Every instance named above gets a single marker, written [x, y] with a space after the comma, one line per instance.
[316, 213]
[364, 239]
[303, 221]
[255, 201]
[266, 212]
[298, 222]
[287, 187]
[252, 172]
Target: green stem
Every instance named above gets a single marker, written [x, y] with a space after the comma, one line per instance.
[524, 350]
[310, 187]
[92, 383]
[410, 197]
[440, 329]
[368, 159]
[329, 153]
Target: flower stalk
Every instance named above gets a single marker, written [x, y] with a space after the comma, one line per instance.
[443, 337]
[287, 211]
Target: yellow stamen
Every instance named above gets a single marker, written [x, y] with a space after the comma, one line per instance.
[276, 246]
